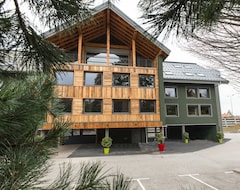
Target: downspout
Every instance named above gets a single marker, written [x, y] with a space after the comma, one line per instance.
[161, 89]
[219, 118]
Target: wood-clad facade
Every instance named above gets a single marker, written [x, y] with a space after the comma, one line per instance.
[114, 76]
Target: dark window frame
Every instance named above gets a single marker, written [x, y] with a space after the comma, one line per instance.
[97, 111]
[146, 109]
[175, 92]
[141, 84]
[117, 110]
[61, 75]
[176, 114]
[114, 78]
[67, 105]
[85, 78]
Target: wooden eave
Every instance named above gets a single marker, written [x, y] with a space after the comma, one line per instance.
[97, 27]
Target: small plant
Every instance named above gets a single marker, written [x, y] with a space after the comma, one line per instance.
[106, 142]
[160, 138]
[185, 135]
[220, 135]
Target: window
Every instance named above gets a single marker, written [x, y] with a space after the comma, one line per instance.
[192, 92]
[204, 92]
[199, 110]
[121, 79]
[64, 77]
[121, 106]
[66, 104]
[92, 105]
[148, 106]
[144, 62]
[205, 110]
[146, 80]
[170, 92]
[193, 110]
[172, 110]
[91, 79]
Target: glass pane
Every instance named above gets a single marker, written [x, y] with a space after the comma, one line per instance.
[144, 62]
[204, 93]
[64, 77]
[92, 105]
[146, 80]
[121, 106]
[205, 110]
[193, 110]
[147, 105]
[92, 78]
[192, 92]
[172, 110]
[96, 58]
[120, 79]
[170, 92]
[117, 59]
[67, 105]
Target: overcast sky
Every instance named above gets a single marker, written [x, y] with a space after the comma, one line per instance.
[229, 98]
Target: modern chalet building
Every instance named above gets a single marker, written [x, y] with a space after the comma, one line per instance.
[115, 85]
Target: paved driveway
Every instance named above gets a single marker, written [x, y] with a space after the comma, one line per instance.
[197, 165]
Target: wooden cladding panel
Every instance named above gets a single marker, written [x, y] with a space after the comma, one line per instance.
[64, 91]
[92, 92]
[103, 125]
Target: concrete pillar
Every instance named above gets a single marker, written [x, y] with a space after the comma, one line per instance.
[106, 132]
[183, 129]
[42, 133]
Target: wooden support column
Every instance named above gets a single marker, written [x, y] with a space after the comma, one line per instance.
[108, 37]
[79, 46]
[134, 49]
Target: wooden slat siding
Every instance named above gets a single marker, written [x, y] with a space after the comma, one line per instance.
[103, 125]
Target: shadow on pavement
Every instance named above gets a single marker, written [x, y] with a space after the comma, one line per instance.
[171, 147]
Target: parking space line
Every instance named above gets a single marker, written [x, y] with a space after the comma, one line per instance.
[192, 176]
[140, 183]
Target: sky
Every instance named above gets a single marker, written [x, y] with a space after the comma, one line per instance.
[229, 97]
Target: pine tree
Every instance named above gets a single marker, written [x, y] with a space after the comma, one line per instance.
[27, 64]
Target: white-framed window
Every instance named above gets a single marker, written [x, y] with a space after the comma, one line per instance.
[197, 92]
[199, 110]
[170, 92]
[172, 110]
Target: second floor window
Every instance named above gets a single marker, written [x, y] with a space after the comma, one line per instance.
[172, 110]
[121, 79]
[146, 81]
[92, 79]
[193, 92]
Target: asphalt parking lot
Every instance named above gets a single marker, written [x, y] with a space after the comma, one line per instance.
[197, 165]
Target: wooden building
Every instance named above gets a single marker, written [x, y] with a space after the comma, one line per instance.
[112, 87]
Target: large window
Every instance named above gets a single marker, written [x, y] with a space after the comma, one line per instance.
[146, 80]
[121, 106]
[193, 92]
[92, 105]
[99, 56]
[121, 79]
[144, 62]
[170, 92]
[64, 77]
[66, 104]
[91, 79]
[171, 110]
[147, 106]
[199, 110]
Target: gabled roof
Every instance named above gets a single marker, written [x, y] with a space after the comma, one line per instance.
[121, 27]
[190, 73]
